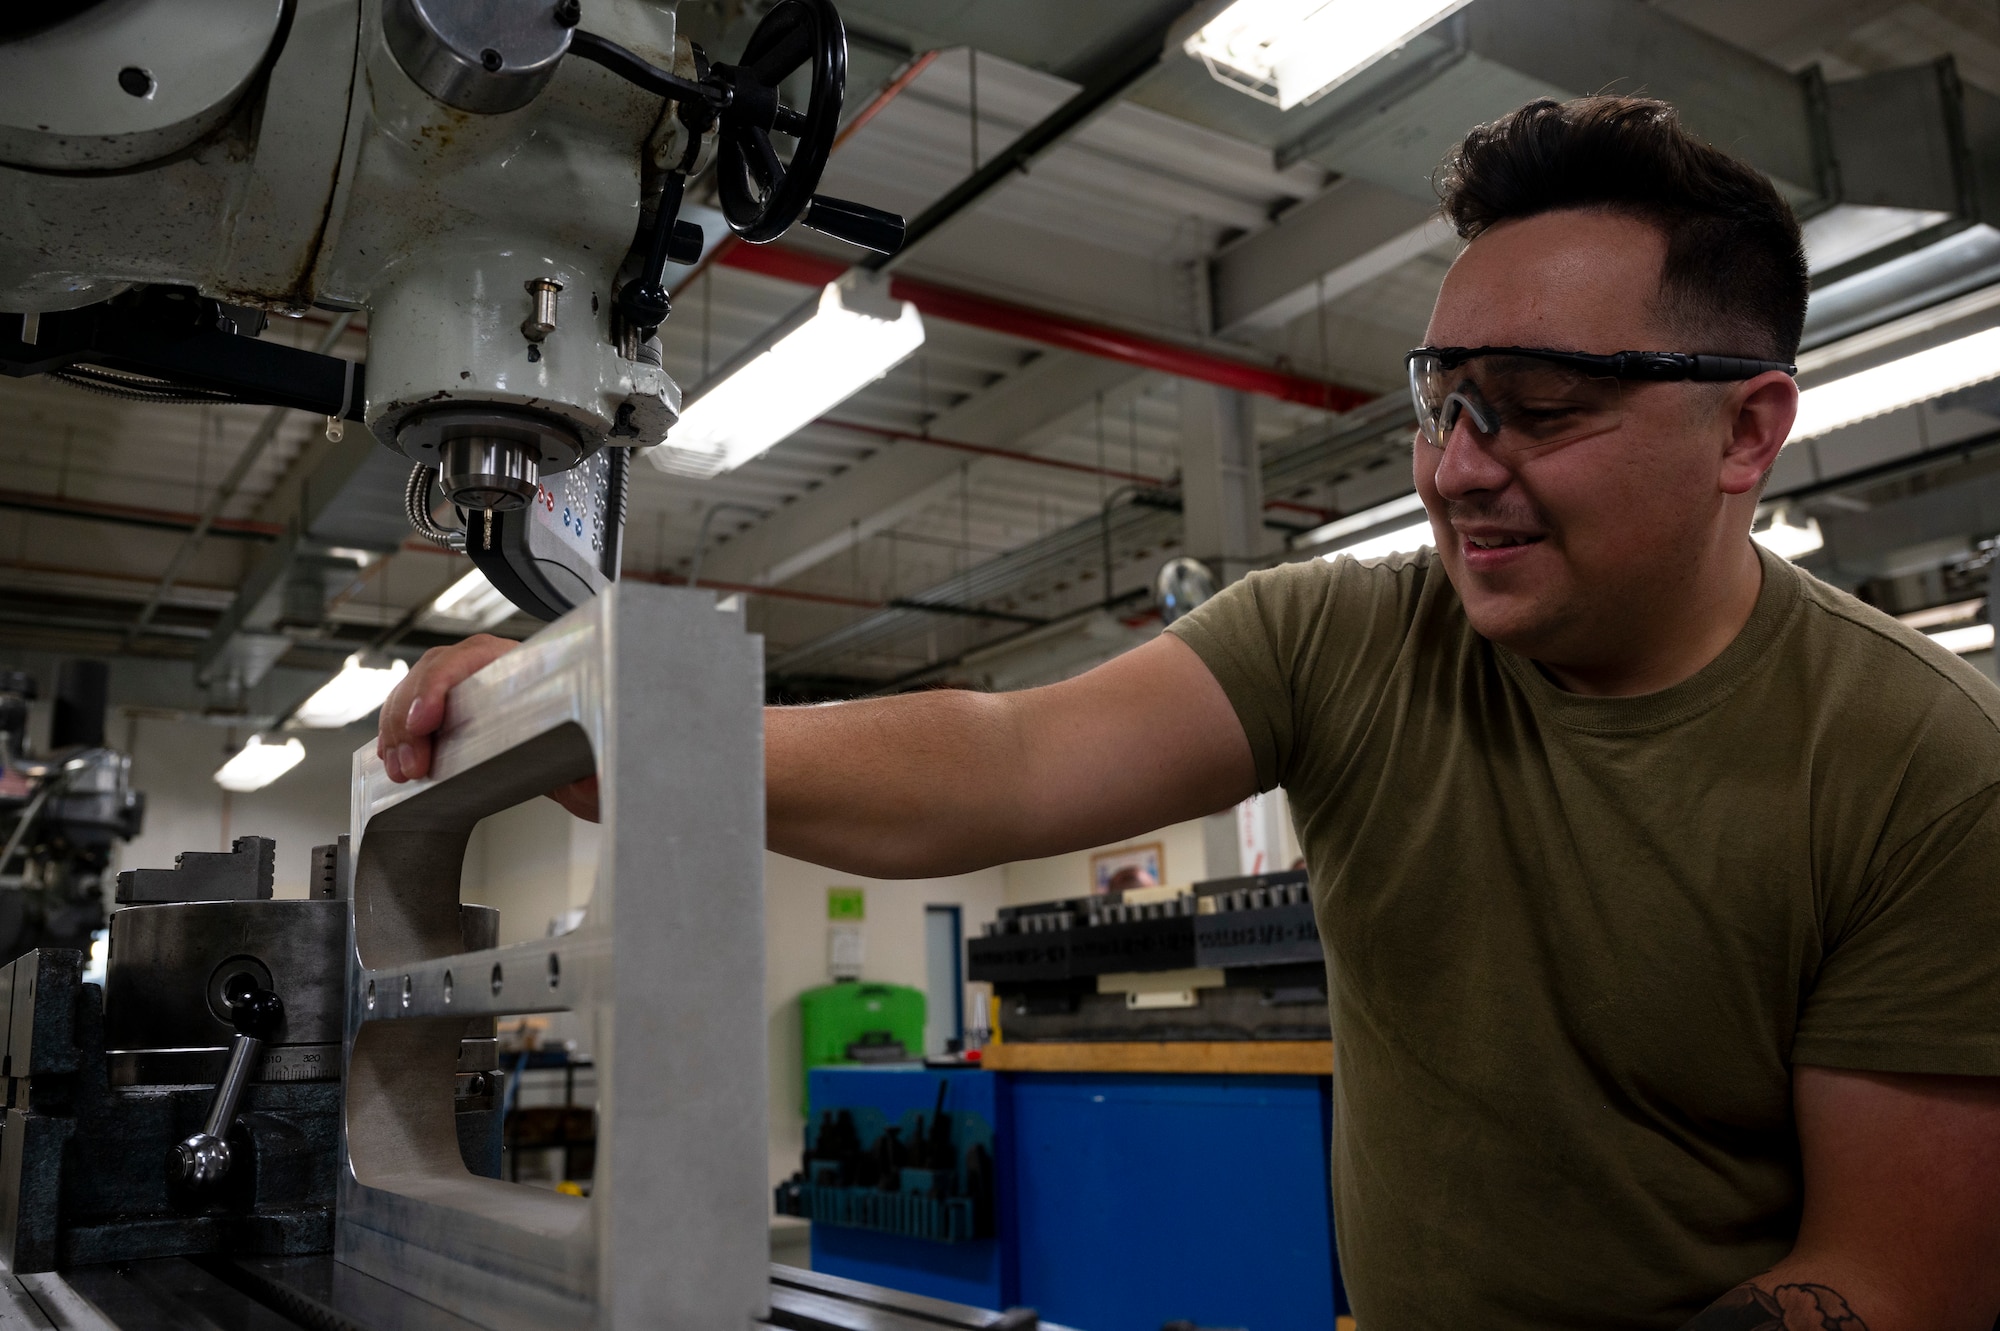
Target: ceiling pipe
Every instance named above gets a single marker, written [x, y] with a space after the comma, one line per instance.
[1059, 330]
[1102, 86]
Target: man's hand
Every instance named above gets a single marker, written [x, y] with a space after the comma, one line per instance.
[1901, 1230]
[416, 708]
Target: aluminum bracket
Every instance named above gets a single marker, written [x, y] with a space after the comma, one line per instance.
[657, 693]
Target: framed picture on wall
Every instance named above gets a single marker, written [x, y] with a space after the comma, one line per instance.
[1128, 867]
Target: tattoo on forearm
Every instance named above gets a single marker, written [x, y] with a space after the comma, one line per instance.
[1785, 1308]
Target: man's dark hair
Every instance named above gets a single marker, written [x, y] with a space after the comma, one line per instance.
[1734, 280]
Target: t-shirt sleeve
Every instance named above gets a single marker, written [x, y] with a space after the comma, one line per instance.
[1231, 633]
[1311, 629]
[1911, 983]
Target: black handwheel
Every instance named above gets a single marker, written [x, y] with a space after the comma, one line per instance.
[762, 196]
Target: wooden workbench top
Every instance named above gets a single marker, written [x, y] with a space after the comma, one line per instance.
[1258, 1057]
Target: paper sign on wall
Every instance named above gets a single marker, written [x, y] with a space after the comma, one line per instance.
[846, 903]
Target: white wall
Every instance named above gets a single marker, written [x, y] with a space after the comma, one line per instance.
[174, 762]
[532, 862]
[1182, 860]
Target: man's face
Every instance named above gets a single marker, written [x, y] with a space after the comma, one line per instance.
[1559, 551]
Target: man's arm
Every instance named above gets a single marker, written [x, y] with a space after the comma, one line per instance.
[947, 781]
[1901, 1230]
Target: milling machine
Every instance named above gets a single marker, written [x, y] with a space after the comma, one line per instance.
[495, 184]
[62, 812]
[281, 1113]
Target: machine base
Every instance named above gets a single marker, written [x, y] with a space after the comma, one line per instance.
[321, 1294]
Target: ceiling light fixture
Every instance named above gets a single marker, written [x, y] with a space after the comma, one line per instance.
[1971, 638]
[472, 600]
[1362, 521]
[1788, 538]
[829, 350]
[1939, 615]
[257, 764]
[1293, 52]
[350, 695]
[1904, 382]
[1401, 541]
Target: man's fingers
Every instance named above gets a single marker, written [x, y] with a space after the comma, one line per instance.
[427, 708]
[413, 755]
[416, 707]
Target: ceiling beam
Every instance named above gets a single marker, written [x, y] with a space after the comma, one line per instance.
[1319, 250]
[906, 477]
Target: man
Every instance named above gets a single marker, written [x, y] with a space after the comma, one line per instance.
[1657, 879]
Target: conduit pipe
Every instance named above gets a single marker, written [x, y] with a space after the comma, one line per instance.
[1058, 330]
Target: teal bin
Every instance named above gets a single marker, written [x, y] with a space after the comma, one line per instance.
[858, 1022]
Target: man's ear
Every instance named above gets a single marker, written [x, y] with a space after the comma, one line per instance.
[1761, 412]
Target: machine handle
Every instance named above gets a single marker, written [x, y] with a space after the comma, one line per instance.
[202, 1161]
[855, 223]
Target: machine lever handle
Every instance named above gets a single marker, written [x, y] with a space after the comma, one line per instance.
[855, 223]
[202, 1161]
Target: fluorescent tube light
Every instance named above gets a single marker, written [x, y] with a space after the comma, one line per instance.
[1788, 539]
[1914, 378]
[350, 695]
[1971, 638]
[1362, 521]
[1290, 52]
[828, 352]
[1943, 614]
[257, 764]
[1392, 543]
[472, 600]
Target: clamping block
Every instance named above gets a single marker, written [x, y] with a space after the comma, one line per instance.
[658, 694]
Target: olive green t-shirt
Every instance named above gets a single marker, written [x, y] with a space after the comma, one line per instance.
[1575, 945]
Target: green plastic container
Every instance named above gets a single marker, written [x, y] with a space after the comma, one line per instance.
[858, 1022]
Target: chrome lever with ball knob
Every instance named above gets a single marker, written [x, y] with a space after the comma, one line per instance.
[202, 1161]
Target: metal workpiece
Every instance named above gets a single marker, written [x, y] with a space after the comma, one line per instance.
[477, 55]
[244, 872]
[655, 691]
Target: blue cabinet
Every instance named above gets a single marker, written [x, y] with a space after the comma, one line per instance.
[974, 1271]
[1122, 1201]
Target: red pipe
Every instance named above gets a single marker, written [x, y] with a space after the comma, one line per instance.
[1058, 330]
[888, 93]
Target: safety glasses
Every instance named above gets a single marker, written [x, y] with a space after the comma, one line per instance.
[1520, 398]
